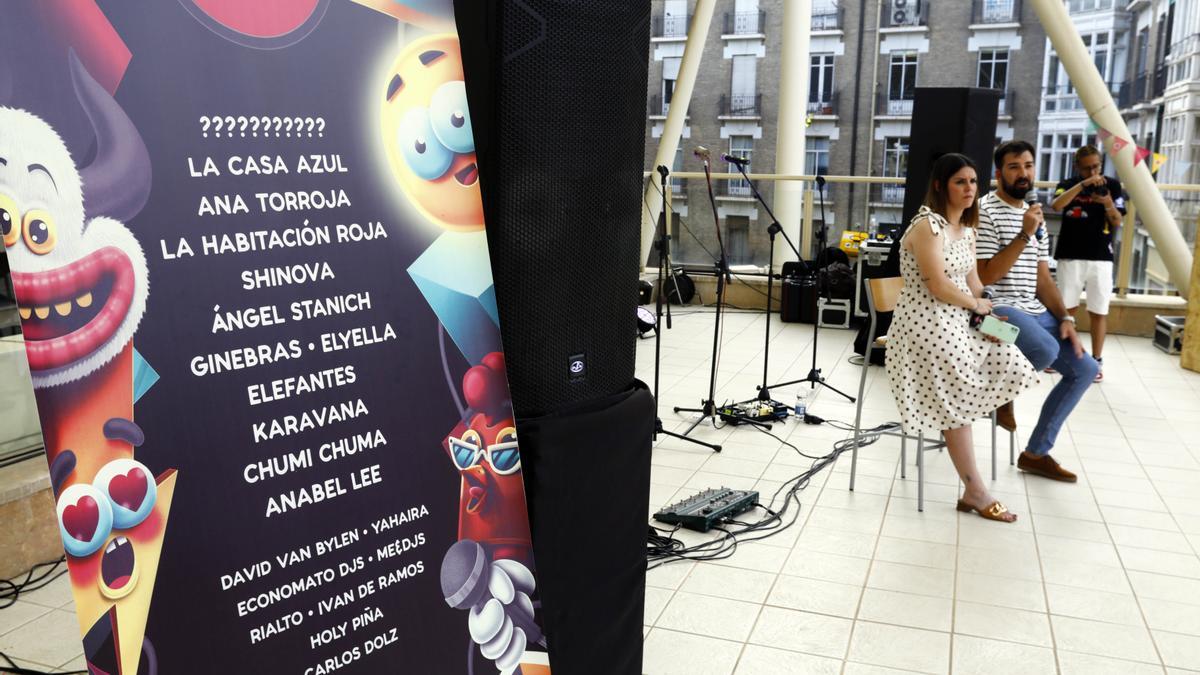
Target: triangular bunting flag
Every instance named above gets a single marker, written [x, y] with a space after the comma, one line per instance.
[1140, 153]
[1102, 133]
[1118, 143]
[1156, 162]
[1092, 127]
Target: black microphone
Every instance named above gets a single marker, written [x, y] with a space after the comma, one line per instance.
[1031, 198]
[739, 161]
[702, 153]
[976, 319]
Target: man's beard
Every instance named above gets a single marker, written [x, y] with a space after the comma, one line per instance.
[1014, 190]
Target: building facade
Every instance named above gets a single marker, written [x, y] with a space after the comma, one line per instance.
[865, 59]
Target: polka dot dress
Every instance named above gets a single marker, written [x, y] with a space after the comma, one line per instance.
[945, 374]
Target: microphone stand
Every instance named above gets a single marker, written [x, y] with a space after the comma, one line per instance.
[764, 392]
[814, 374]
[663, 245]
[708, 407]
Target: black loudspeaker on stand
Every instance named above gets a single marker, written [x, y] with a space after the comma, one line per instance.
[544, 79]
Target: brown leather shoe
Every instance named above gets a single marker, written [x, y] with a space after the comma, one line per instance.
[1005, 417]
[1044, 466]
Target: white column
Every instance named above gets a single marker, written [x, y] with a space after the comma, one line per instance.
[1098, 101]
[673, 127]
[793, 111]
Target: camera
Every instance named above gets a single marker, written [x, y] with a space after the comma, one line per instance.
[1097, 190]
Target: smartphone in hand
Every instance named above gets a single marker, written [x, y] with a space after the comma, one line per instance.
[1001, 330]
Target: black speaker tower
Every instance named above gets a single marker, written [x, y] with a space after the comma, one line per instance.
[557, 94]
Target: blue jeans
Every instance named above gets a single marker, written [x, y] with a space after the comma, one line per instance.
[1039, 341]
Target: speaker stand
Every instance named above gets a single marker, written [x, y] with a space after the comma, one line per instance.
[663, 245]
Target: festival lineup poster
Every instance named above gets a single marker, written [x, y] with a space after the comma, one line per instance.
[247, 244]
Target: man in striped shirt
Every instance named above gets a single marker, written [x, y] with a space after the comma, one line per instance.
[1012, 253]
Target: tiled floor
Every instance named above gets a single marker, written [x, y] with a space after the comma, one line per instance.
[1097, 577]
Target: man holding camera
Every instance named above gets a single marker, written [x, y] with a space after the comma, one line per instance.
[1092, 207]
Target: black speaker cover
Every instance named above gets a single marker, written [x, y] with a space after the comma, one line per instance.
[949, 119]
[945, 120]
[587, 482]
[557, 90]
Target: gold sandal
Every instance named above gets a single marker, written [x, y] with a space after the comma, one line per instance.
[993, 511]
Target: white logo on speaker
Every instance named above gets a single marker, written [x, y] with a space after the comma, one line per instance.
[577, 366]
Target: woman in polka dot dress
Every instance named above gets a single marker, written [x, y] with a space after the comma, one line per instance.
[945, 374]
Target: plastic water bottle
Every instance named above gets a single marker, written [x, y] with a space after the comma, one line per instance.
[872, 229]
[801, 403]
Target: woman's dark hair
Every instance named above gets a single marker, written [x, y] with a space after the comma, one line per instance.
[939, 178]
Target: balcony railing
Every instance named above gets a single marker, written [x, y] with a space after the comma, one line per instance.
[890, 106]
[887, 194]
[824, 107]
[1064, 98]
[996, 11]
[678, 186]
[670, 26]
[905, 13]
[827, 16]
[1008, 103]
[740, 105]
[745, 23]
[737, 187]
[1080, 6]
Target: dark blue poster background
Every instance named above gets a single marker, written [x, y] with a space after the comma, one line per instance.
[266, 437]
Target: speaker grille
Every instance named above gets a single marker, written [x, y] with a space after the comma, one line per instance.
[561, 174]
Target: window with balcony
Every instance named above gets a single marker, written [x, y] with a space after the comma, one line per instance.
[993, 74]
[902, 83]
[742, 87]
[740, 146]
[816, 156]
[1079, 6]
[670, 76]
[737, 232]
[996, 11]
[678, 185]
[826, 15]
[675, 18]
[820, 84]
[746, 19]
[895, 165]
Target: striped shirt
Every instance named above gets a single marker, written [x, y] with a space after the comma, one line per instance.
[999, 224]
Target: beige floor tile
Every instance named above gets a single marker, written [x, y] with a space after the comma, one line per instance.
[1175, 617]
[19, 614]
[1002, 623]
[920, 529]
[1078, 550]
[1083, 575]
[920, 553]
[827, 567]
[1083, 603]
[999, 562]
[1071, 528]
[911, 579]
[760, 660]
[1074, 663]
[705, 615]
[672, 653]
[656, 600]
[1165, 587]
[853, 668]
[1103, 639]
[669, 576]
[52, 639]
[756, 556]
[900, 647]
[978, 656]
[729, 582]
[812, 595]
[857, 544]
[802, 632]
[1180, 651]
[1000, 591]
[1158, 540]
[1161, 562]
[905, 609]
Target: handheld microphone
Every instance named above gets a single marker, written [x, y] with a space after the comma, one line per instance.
[1031, 198]
[739, 161]
[702, 153]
